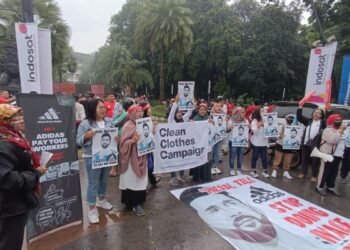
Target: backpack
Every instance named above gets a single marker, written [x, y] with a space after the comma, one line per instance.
[316, 141]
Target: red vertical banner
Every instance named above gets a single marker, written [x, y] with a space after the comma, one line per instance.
[328, 94]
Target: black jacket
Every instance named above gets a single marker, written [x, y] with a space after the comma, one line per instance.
[307, 122]
[17, 180]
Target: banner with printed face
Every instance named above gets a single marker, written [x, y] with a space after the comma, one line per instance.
[344, 90]
[50, 126]
[144, 128]
[220, 124]
[320, 70]
[270, 125]
[28, 56]
[46, 85]
[213, 136]
[240, 135]
[180, 146]
[104, 148]
[292, 137]
[185, 91]
[251, 214]
[347, 133]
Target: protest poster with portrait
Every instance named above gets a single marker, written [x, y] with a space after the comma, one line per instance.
[270, 125]
[213, 136]
[144, 128]
[251, 214]
[240, 135]
[220, 124]
[292, 137]
[185, 91]
[347, 133]
[104, 148]
[181, 146]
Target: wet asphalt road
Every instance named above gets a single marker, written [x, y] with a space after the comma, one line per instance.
[168, 223]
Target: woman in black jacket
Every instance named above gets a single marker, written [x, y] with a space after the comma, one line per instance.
[19, 178]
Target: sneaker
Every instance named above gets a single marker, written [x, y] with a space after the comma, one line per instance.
[265, 174]
[321, 191]
[183, 179]
[93, 216]
[239, 172]
[333, 191]
[274, 174]
[287, 175]
[139, 211]
[342, 180]
[104, 204]
[254, 174]
[213, 171]
[174, 182]
[313, 179]
[301, 176]
[232, 172]
[217, 170]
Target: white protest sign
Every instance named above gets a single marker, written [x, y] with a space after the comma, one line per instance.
[104, 148]
[292, 137]
[181, 146]
[270, 125]
[220, 124]
[240, 135]
[186, 93]
[213, 136]
[144, 128]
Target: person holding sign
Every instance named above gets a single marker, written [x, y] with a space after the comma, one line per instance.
[133, 168]
[97, 178]
[20, 171]
[281, 153]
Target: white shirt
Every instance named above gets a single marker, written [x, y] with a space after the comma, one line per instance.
[101, 124]
[312, 130]
[258, 139]
[339, 151]
[79, 112]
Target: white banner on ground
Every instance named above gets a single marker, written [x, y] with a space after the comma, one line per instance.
[251, 214]
[185, 91]
[220, 124]
[45, 56]
[270, 125]
[144, 128]
[320, 70]
[239, 136]
[28, 56]
[292, 137]
[181, 146]
[104, 148]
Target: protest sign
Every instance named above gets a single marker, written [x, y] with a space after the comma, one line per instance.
[347, 133]
[292, 137]
[181, 146]
[220, 124]
[251, 214]
[104, 148]
[240, 135]
[144, 128]
[270, 125]
[213, 136]
[50, 127]
[186, 92]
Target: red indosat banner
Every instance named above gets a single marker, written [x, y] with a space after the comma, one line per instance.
[28, 56]
[320, 70]
[251, 214]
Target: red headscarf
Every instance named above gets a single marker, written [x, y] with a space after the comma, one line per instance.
[332, 118]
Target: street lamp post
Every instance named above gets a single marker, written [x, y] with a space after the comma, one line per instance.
[27, 11]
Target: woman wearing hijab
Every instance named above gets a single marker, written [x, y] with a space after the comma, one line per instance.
[19, 178]
[97, 178]
[133, 168]
[238, 119]
[329, 142]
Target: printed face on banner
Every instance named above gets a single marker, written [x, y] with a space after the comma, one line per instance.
[186, 93]
[347, 133]
[144, 128]
[292, 137]
[213, 137]
[239, 135]
[220, 124]
[270, 125]
[104, 148]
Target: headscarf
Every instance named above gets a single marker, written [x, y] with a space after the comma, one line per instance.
[198, 117]
[332, 118]
[237, 117]
[128, 148]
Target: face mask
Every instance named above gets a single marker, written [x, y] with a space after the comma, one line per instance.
[290, 120]
[337, 124]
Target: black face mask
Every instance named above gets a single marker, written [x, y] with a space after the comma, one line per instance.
[337, 124]
[290, 120]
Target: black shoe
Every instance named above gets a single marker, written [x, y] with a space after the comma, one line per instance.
[333, 191]
[321, 191]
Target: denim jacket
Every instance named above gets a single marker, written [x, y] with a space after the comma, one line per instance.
[84, 127]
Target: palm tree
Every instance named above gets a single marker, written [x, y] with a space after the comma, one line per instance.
[163, 25]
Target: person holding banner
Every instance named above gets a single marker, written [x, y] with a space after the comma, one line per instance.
[19, 178]
[133, 168]
[97, 178]
[313, 126]
[259, 144]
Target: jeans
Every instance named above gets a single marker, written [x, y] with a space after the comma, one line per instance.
[216, 153]
[233, 153]
[97, 182]
[181, 172]
[262, 151]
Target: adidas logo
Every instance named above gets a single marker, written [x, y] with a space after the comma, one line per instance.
[260, 195]
[51, 116]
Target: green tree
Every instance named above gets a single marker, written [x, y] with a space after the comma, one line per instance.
[161, 25]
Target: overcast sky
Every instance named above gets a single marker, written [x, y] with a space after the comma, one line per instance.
[89, 21]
